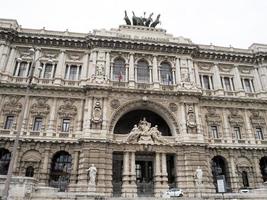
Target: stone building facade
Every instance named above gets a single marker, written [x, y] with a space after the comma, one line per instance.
[145, 107]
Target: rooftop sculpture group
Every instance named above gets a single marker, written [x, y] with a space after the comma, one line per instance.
[142, 21]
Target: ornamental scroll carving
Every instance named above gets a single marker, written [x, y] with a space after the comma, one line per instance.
[143, 133]
[256, 119]
[212, 117]
[235, 119]
[67, 110]
[40, 108]
[191, 119]
[12, 106]
[96, 121]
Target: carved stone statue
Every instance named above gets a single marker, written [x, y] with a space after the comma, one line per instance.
[156, 22]
[134, 19]
[126, 18]
[145, 134]
[198, 176]
[92, 175]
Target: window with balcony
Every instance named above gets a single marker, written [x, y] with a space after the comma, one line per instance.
[237, 133]
[37, 125]
[119, 70]
[9, 122]
[65, 125]
[143, 71]
[214, 132]
[165, 71]
[22, 69]
[206, 82]
[248, 85]
[227, 83]
[259, 134]
[73, 72]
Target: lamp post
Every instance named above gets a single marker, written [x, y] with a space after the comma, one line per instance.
[23, 112]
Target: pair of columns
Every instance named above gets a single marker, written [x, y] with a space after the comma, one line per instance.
[129, 187]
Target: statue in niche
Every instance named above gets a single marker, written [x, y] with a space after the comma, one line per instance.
[198, 176]
[92, 178]
[191, 120]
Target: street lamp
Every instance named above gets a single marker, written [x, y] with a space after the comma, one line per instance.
[14, 149]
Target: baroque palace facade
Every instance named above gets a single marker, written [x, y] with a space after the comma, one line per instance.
[145, 107]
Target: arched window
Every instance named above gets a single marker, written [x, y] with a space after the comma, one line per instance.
[5, 156]
[165, 71]
[29, 171]
[245, 179]
[220, 171]
[119, 70]
[143, 74]
[263, 166]
[60, 170]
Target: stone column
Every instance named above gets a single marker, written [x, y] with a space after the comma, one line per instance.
[131, 70]
[257, 82]
[157, 175]
[197, 76]
[198, 121]
[133, 175]
[44, 170]
[233, 175]
[217, 80]
[92, 63]
[178, 71]
[84, 69]
[164, 171]
[182, 118]
[3, 55]
[107, 65]
[263, 76]
[37, 63]
[105, 113]
[226, 128]
[10, 66]
[237, 81]
[52, 118]
[74, 171]
[258, 175]
[126, 180]
[87, 117]
[248, 129]
[191, 72]
[60, 70]
[155, 72]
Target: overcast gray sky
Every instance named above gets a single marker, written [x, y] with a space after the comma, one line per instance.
[221, 22]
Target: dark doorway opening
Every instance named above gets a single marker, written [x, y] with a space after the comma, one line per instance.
[171, 170]
[117, 167]
[128, 120]
[144, 174]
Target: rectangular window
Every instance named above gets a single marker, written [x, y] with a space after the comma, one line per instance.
[237, 133]
[206, 82]
[37, 126]
[73, 72]
[214, 132]
[65, 125]
[47, 71]
[248, 85]
[259, 134]
[227, 83]
[9, 122]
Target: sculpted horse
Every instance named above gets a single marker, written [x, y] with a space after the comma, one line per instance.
[126, 18]
[149, 20]
[156, 22]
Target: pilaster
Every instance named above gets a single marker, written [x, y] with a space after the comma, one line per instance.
[237, 82]
[131, 70]
[178, 71]
[59, 74]
[155, 72]
[85, 68]
[217, 80]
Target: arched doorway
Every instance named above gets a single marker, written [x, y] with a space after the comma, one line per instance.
[263, 166]
[220, 171]
[128, 120]
[5, 156]
[60, 170]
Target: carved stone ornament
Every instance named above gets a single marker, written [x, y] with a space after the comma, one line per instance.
[40, 108]
[212, 117]
[115, 103]
[68, 109]
[97, 111]
[100, 69]
[191, 118]
[256, 119]
[185, 75]
[173, 107]
[12, 106]
[143, 133]
[235, 119]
